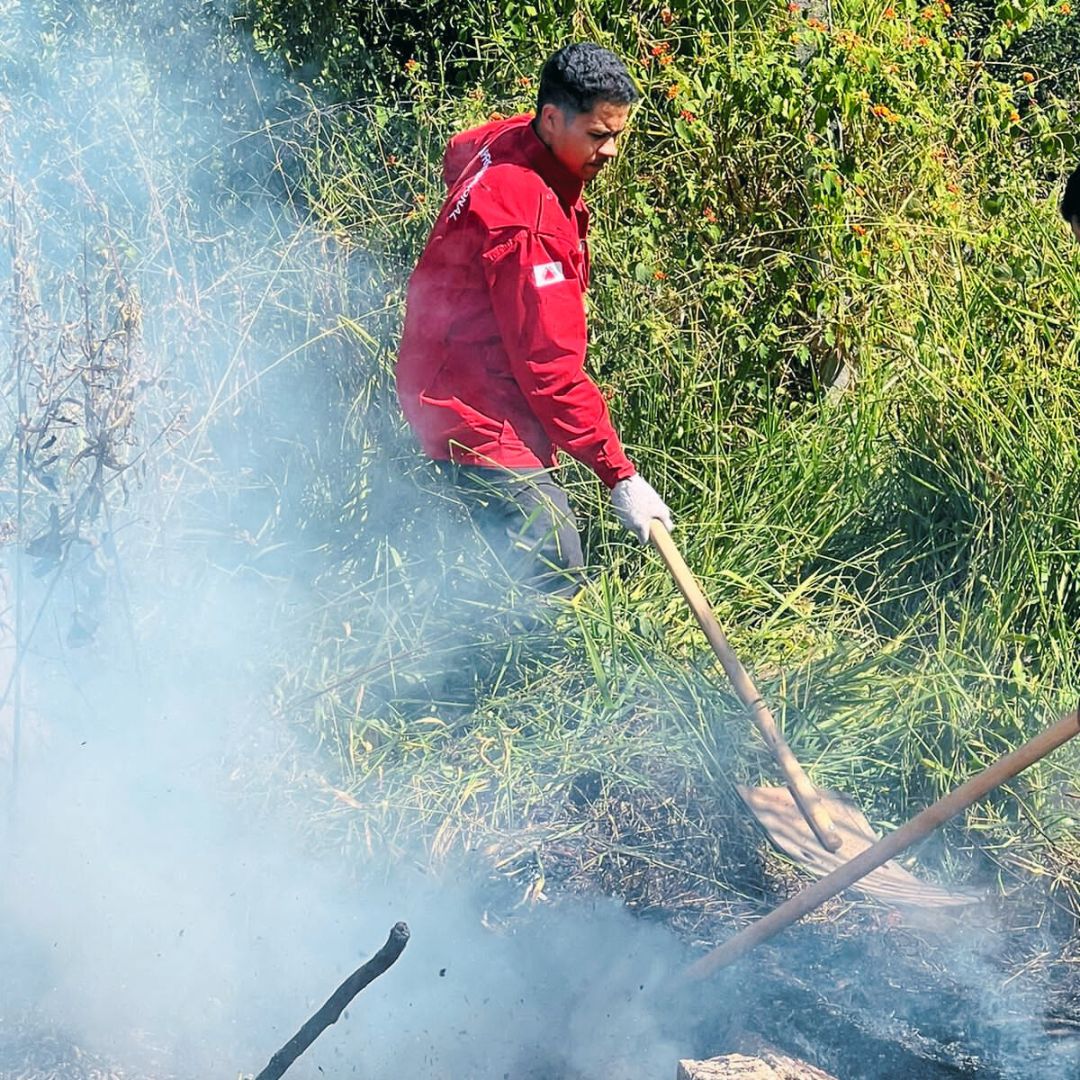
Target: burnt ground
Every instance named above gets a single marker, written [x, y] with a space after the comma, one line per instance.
[896, 1003]
[32, 1050]
[860, 990]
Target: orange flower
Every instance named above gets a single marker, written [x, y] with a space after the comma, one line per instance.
[492, 117]
[687, 115]
[1065, 9]
[391, 160]
[794, 8]
[665, 60]
[659, 275]
[524, 80]
[928, 13]
[1014, 117]
[883, 112]
[922, 41]
[661, 48]
[952, 189]
[411, 65]
[709, 214]
[666, 16]
[889, 13]
[673, 91]
[858, 230]
[1027, 77]
[816, 24]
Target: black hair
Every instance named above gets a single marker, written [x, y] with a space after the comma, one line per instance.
[580, 75]
[1070, 202]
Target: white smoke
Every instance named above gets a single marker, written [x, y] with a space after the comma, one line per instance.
[159, 904]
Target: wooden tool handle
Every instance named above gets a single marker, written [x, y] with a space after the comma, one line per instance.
[804, 793]
[888, 847]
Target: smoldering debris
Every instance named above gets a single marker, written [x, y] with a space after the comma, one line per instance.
[30, 1051]
[764, 1065]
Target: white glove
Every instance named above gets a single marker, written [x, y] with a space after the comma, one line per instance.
[636, 504]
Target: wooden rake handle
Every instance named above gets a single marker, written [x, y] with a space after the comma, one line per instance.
[888, 847]
[804, 793]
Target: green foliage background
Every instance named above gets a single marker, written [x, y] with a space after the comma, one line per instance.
[835, 310]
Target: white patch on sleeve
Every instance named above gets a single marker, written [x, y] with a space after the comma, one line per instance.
[463, 198]
[548, 274]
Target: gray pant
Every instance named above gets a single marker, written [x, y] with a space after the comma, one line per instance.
[526, 519]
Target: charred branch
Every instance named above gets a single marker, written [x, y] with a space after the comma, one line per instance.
[337, 1003]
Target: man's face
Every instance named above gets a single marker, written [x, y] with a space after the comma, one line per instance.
[583, 142]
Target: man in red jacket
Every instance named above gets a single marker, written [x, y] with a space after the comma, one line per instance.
[491, 372]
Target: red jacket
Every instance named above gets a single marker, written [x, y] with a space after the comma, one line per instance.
[491, 364]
